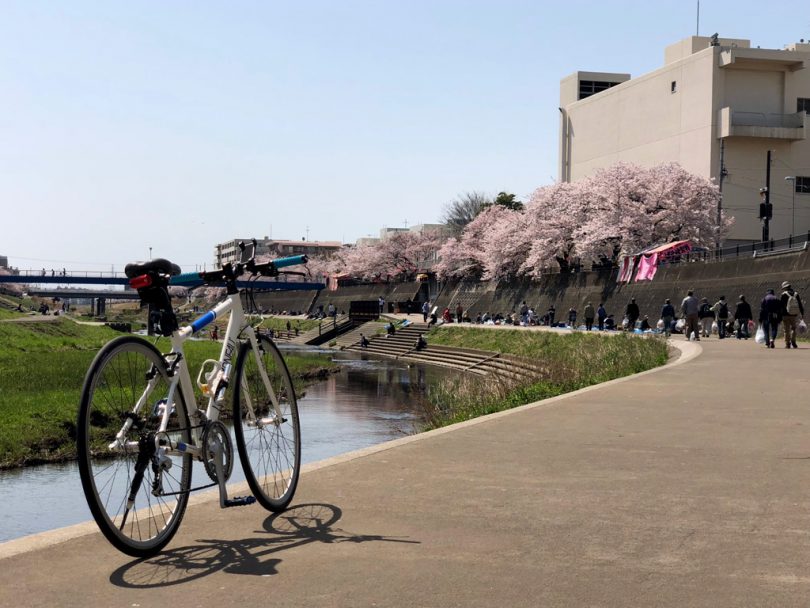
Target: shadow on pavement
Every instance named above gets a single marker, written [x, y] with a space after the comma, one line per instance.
[299, 525]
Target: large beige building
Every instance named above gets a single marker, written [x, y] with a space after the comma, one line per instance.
[715, 102]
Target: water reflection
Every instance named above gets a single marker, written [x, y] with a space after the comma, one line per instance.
[368, 402]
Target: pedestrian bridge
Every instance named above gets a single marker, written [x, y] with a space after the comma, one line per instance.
[70, 277]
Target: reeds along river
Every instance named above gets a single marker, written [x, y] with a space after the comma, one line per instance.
[367, 403]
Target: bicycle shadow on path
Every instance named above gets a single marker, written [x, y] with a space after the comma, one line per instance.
[297, 526]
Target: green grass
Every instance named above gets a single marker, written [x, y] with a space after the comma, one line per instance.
[42, 368]
[568, 362]
[281, 324]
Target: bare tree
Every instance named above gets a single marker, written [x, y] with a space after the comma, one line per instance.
[461, 211]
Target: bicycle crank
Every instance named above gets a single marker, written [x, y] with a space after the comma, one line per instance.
[217, 454]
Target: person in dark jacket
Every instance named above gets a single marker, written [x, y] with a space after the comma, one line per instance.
[742, 315]
[601, 315]
[632, 314]
[667, 315]
[770, 314]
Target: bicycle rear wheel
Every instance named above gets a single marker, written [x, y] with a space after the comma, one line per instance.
[136, 497]
[269, 446]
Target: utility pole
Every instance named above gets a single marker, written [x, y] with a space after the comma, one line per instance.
[720, 200]
[765, 208]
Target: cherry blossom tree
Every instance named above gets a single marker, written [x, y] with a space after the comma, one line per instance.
[632, 208]
[504, 243]
[400, 253]
[554, 215]
[624, 208]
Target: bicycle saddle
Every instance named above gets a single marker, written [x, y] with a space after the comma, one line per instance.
[159, 265]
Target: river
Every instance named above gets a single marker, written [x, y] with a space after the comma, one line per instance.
[370, 401]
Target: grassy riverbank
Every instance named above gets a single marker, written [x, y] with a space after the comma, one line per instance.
[42, 368]
[566, 362]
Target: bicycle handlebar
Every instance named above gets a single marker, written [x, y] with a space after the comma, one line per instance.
[293, 260]
[195, 279]
[187, 279]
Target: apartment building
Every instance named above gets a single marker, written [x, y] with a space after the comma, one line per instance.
[229, 250]
[716, 107]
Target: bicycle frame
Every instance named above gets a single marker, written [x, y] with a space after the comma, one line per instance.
[217, 383]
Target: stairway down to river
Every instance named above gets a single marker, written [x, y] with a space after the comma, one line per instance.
[402, 345]
[327, 329]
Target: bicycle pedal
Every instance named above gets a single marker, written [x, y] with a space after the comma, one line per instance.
[239, 501]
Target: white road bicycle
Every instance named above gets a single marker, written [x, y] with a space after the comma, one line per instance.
[140, 429]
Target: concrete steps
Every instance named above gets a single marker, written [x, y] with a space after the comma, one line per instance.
[402, 345]
[351, 338]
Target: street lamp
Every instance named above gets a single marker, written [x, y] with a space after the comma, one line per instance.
[792, 180]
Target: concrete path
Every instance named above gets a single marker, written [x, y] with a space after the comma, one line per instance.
[688, 486]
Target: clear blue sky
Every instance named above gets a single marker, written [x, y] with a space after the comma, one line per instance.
[177, 125]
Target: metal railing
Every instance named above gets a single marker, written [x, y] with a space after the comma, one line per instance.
[761, 119]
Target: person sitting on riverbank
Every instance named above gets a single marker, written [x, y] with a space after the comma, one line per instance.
[390, 330]
[420, 342]
[363, 341]
[610, 323]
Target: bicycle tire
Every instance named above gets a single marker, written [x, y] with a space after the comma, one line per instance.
[270, 453]
[113, 383]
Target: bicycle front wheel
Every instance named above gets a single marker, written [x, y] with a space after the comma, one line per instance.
[269, 444]
[136, 493]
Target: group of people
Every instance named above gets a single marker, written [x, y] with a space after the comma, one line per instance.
[786, 309]
[698, 317]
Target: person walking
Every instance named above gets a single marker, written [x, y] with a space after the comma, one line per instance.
[706, 317]
[631, 313]
[667, 315]
[770, 314]
[601, 315]
[690, 308]
[381, 304]
[742, 316]
[425, 311]
[551, 312]
[589, 316]
[572, 318]
[459, 312]
[720, 310]
[792, 313]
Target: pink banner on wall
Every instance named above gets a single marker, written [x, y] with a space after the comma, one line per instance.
[647, 266]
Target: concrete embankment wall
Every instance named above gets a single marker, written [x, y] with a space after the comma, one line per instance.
[305, 301]
[748, 276]
[392, 292]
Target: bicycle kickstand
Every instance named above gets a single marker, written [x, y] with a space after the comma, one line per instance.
[224, 501]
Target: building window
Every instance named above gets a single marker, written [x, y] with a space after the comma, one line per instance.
[802, 184]
[803, 105]
[673, 88]
[592, 87]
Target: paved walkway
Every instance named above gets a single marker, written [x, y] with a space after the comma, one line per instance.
[688, 486]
